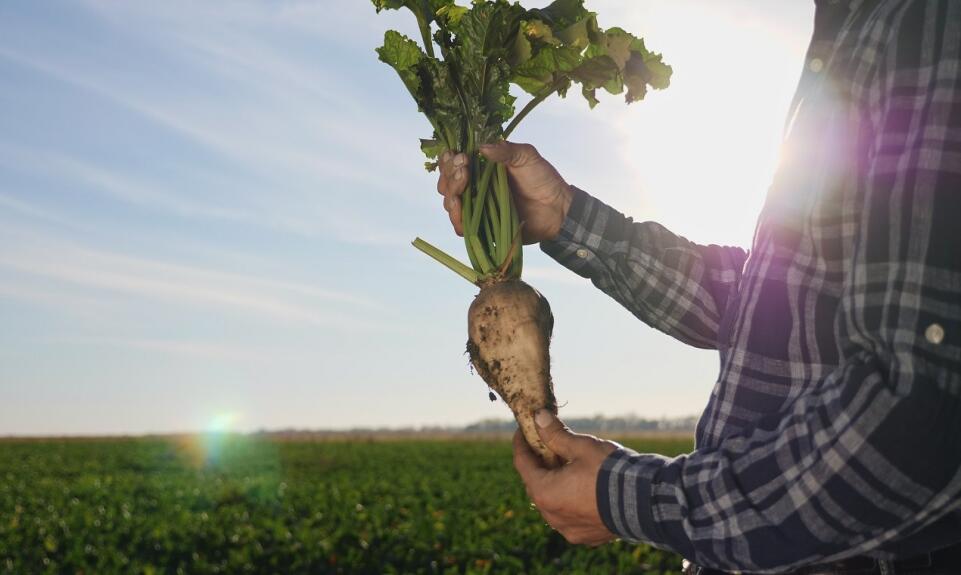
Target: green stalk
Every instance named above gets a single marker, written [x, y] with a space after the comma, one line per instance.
[518, 248]
[424, 27]
[512, 257]
[530, 107]
[482, 187]
[504, 234]
[492, 214]
[485, 264]
[489, 235]
[466, 209]
[457, 267]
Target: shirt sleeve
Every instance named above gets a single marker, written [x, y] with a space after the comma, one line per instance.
[873, 455]
[674, 285]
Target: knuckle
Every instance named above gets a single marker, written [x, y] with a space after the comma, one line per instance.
[528, 151]
[549, 436]
[523, 154]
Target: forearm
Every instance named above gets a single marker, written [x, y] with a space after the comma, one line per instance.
[846, 471]
[670, 283]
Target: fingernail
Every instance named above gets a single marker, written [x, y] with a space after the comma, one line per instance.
[459, 174]
[543, 418]
[460, 160]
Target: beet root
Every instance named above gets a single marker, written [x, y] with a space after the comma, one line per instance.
[509, 328]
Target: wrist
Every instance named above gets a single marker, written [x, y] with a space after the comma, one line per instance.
[566, 199]
[562, 205]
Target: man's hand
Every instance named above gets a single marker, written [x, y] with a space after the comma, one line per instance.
[541, 195]
[566, 496]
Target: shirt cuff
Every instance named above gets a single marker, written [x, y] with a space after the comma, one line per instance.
[581, 234]
[625, 498]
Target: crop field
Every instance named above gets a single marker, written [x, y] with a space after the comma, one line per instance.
[235, 504]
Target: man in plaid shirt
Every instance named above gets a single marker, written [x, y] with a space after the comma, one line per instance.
[832, 439]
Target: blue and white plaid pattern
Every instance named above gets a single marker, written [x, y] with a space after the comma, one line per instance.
[834, 428]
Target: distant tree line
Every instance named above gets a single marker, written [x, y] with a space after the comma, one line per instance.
[598, 423]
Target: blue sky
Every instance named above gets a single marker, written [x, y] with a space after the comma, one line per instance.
[206, 210]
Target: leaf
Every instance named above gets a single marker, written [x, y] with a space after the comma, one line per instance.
[426, 9]
[520, 50]
[590, 94]
[404, 55]
[442, 103]
[578, 34]
[484, 49]
[617, 61]
[562, 13]
[451, 14]
[599, 72]
[484, 38]
[388, 4]
[541, 71]
[432, 148]
[614, 43]
[537, 30]
[642, 69]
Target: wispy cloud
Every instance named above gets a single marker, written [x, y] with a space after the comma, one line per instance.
[75, 174]
[31, 210]
[312, 158]
[83, 306]
[210, 350]
[186, 285]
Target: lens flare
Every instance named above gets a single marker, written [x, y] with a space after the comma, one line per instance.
[207, 447]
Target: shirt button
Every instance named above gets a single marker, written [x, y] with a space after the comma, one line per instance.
[934, 333]
[816, 65]
[582, 253]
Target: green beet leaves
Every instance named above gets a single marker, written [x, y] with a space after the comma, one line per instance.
[461, 73]
[484, 48]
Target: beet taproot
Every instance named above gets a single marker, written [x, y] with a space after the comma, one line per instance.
[509, 328]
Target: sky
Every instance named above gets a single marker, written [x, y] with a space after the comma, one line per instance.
[206, 211]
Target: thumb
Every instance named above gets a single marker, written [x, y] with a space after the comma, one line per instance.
[557, 436]
[508, 153]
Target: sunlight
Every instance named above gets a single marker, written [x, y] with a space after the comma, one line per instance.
[704, 153]
[222, 423]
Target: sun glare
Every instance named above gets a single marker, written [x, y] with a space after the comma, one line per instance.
[222, 423]
[705, 152]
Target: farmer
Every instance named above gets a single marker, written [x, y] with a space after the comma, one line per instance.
[831, 442]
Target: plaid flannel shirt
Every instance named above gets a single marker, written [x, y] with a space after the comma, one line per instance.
[834, 428]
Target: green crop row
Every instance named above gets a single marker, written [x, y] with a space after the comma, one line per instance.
[233, 504]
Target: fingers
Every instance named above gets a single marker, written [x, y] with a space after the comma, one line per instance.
[451, 184]
[509, 153]
[453, 174]
[526, 461]
[558, 437]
